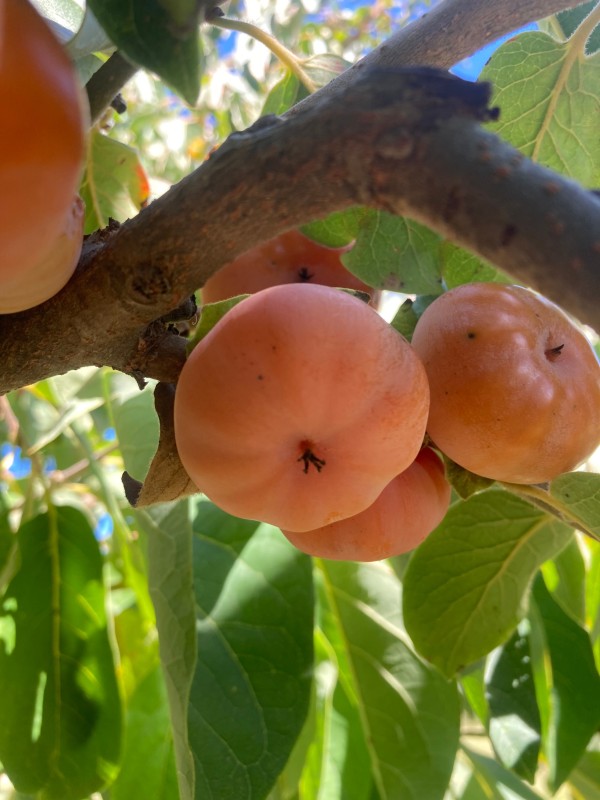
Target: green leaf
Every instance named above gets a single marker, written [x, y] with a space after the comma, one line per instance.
[61, 711]
[586, 776]
[251, 688]
[463, 482]
[405, 319]
[396, 253]
[460, 266]
[498, 783]
[115, 185]
[552, 121]
[338, 229]
[282, 96]
[150, 33]
[169, 534]
[473, 686]
[571, 19]
[465, 586]
[578, 493]
[410, 713]
[7, 546]
[575, 694]
[211, 314]
[565, 577]
[136, 426]
[514, 723]
[148, 759]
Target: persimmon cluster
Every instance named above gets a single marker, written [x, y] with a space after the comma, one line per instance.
[42, 133]
[303, 408]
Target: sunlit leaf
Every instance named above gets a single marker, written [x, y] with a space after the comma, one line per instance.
[575, 694]
[460, 266]
[115, 185]
[61, 711]
[514, 723]
[553, 121]
[497, 782]
[136, 425]
[148, 758]
[564, 576]
[410, 713]
[251, 687]
[466, 585]
[282, 96]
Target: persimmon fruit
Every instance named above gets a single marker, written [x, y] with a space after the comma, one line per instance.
[290, 257]
[515, 386]
[299, 407]
[404, 514]
[42, 140]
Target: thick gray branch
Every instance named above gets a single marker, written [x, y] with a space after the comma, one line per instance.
[409, 142]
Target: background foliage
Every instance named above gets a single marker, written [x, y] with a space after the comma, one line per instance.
[180, 652]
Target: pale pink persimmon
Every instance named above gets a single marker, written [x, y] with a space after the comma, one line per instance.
[299, 407]
[290, 257]
[404, 514]
[515, 386]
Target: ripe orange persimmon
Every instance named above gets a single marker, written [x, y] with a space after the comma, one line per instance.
[52, 271]
[515, 386]
[299, 407]
[290, 257]
[42, 138]
[404, 514]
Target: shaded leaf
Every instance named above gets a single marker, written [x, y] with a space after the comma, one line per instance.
[575, 694]
[460, 266]
[571, 19]
[115, 185]
[251, 688]
[553, 122]
[338, 229]
[61, 711]
[579, 495]
[150, 33]
[169, 535]
[586, 777]
[410, 713]
[514, 723]
[465, 586]
[282, 96]
[396, 253]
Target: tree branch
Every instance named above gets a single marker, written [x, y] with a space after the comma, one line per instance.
[451, 31]
[407, 141]
[107, 82]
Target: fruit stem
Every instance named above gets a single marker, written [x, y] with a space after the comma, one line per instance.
[279, 50]
[310, 458]
[542, 498]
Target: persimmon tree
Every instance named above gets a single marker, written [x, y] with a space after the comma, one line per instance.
[152, 645]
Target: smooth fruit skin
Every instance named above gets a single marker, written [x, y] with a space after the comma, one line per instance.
[42, 138]
[515, 386]
[404, 514]
[290, 257]
[299, 406]
[53, 269]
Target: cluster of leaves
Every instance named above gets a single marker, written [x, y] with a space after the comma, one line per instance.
[180, 652]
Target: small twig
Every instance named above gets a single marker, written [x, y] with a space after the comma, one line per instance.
[280, 51]
[106, 83]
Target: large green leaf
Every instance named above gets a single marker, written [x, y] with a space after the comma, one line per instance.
[409, 712]
[251, 688]
[169, 535]
[465, 587]
[577, 496]
[549, 96]
[565, 577]
[586, 777]
[161, 35]
[148, 758]
[575, 695]
[61, 710]
[115, 185]
[514, 724]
